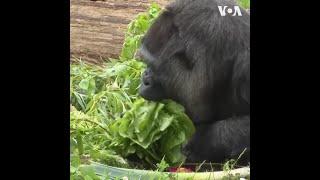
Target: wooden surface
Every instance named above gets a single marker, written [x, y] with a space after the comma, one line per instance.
[98, 27]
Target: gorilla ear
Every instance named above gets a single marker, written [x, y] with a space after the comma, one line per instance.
[182, 57]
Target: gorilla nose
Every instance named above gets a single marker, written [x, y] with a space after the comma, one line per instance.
[147, 81]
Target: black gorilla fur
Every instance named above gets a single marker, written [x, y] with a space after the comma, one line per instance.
[201, 59]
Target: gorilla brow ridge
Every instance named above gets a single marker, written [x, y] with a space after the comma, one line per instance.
[147, 56]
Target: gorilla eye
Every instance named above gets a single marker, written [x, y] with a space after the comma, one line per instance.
[183, 59]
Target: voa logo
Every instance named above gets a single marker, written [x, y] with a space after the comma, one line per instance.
[233, 12]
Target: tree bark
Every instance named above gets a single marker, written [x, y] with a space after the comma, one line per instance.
[98, 27]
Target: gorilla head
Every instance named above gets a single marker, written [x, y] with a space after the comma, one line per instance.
[201, 59]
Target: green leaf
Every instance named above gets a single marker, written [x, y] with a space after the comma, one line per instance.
[88, 173]
[84, 84]
[91, 86]
[79, 143]
[72, 169]
[244, 3]
[75, 160]
[165, 121]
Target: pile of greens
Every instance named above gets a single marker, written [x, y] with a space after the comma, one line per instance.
[110, 123]
[152, 131]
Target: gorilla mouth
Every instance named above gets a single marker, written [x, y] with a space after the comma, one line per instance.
[151, 92]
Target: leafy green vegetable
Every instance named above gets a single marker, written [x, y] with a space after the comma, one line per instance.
[152, 127]
[136, 30]
[163, 165]
[244, 3]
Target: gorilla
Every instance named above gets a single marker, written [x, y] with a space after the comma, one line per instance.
[201, 59]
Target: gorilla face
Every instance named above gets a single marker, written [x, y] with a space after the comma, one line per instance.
[192, 54]
[165, 72]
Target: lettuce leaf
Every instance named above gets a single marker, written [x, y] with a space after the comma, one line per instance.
[161, 128]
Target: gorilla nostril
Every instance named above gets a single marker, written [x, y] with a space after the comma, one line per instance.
[147, 81]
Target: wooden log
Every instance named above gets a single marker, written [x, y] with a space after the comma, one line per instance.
[98, 27]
